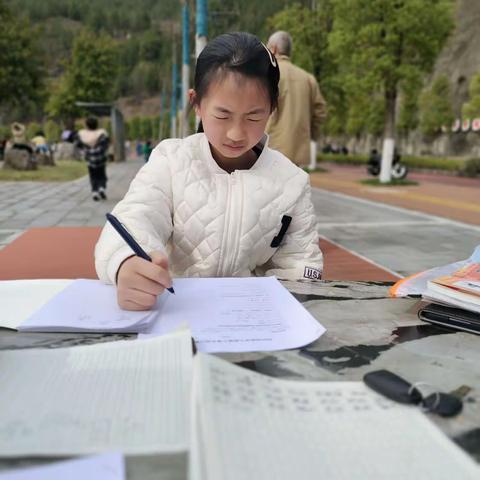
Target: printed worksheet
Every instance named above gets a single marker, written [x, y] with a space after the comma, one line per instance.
[127, 396]
[246, 425]
[236, 315]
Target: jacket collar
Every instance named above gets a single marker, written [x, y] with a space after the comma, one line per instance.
[212, 164]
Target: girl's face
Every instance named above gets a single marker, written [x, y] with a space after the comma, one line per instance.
[234, 113]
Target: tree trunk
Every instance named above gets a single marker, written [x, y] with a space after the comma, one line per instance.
[388, 136]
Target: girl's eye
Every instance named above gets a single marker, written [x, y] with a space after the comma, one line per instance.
[221, 118]
[254, 119]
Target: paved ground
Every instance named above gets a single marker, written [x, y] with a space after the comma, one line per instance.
[402, 229]
[33, 204]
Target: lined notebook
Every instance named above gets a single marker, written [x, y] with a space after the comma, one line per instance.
[127, 396]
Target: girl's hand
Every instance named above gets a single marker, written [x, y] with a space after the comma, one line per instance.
[140, 282]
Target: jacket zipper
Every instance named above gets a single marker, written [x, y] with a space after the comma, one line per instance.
[229, 245]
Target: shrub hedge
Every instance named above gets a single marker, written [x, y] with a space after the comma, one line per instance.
[467, 167]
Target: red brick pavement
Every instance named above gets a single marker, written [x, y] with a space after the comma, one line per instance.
[67, 252]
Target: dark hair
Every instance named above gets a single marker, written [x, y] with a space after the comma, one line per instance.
[241, 53]
[40, 133]
[91, 123]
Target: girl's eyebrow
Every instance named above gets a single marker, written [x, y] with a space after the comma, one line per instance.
[252, 112]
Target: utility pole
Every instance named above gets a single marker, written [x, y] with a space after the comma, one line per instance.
[162, 112]
[202, 27]
[173, 102]
[185, 67]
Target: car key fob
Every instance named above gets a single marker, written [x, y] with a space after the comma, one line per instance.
[392, 386]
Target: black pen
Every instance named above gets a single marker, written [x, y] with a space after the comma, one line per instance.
[122, 231]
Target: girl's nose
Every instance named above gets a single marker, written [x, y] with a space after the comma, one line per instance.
[235, 133]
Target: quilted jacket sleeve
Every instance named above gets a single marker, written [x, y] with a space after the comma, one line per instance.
[146, 212]
[299, 255]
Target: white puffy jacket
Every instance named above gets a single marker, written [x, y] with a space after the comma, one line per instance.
[214, 224]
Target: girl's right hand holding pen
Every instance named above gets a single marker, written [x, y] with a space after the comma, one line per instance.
[140, 282]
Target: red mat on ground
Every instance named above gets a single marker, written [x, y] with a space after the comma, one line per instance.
[67, 252]
[59, 252]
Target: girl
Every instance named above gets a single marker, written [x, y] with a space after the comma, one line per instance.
[220, 202]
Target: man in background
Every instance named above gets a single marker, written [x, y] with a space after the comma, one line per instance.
[301, 107]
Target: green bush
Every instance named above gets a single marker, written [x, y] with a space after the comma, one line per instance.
[429, 163]
[471, 168]
[434, 163]
[343, 159]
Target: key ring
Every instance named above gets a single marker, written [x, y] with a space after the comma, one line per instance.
[437, 395]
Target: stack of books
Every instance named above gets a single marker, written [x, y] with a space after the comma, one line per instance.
[454, 300]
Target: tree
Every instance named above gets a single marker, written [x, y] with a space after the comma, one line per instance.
[309, 30]
[436, 107]
[89, 76]
[135, 128]
[21, 74]
[471, 109]
[385, 45]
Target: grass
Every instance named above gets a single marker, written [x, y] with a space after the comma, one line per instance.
[375, 182]
[315, 170]
[64, 171]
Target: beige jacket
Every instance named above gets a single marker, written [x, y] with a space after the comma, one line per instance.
[301, 110]
[214, 224]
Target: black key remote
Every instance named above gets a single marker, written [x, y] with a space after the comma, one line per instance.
[393, 387]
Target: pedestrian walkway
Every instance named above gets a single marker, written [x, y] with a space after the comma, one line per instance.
[446, 196]
[25, 205]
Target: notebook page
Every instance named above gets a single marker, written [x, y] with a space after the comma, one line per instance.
[126, 396]
[21, 298]
[254, 426]
[236, 315]
[109, 466]
[86, 306]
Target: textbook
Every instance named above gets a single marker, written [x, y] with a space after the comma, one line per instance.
[465, 280]
[460, 289]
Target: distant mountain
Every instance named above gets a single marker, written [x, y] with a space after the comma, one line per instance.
[460, 59]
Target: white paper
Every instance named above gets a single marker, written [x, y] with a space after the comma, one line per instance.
[247, 425]
[21, 298]
[236, 315]
[86, 306]
[125, 396]
[109, 466]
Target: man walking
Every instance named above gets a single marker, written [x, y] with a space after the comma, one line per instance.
[301, 106]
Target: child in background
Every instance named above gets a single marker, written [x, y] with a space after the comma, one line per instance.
[93, 142]
[147, 150]
[217, 203]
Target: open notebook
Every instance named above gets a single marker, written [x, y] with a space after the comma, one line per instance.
[67, 306]
[248, 426]
[127, 396]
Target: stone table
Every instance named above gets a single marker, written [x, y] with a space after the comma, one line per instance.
[366, 331]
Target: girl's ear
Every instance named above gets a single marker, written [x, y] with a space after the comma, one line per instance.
[192, 99]
[191, 96]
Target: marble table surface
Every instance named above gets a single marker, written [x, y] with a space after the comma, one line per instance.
[366, 330]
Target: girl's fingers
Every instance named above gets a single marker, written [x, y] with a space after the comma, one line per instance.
[144, 300]
[156, 273]
[144, 284]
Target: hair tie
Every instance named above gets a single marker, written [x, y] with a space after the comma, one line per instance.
[270, 54]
